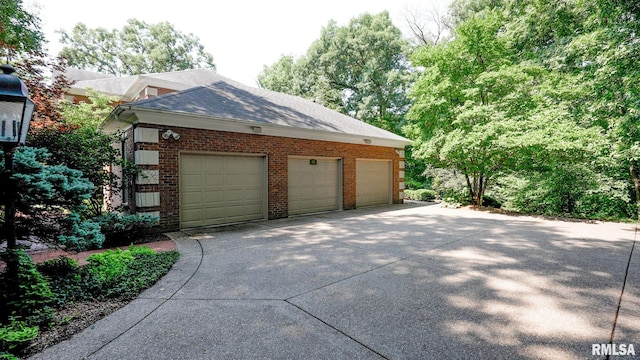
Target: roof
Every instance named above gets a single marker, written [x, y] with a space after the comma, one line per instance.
[225, 100]
[126, 87]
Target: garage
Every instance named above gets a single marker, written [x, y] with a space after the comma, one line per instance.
[221, 189]
[313, 185]
[373, 182]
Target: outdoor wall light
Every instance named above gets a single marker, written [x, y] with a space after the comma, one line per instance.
[367, 141]
[16, 110]
[167, 134]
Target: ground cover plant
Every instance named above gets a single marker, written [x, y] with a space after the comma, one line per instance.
[55, 299]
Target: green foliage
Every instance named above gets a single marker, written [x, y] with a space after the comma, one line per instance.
[46, 193]
[360, 69]
[122, 229]
[82, 235]
[14, 336]
[420, 195]
[19, 30]
[124, 273]
[24, 296]
[86, 149]
[138, 48]
[107, 266]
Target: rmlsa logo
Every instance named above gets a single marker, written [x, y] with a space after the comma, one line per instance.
[612, 349]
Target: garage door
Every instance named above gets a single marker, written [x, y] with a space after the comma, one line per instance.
[373, 182]
[221, 189]
[314, 185]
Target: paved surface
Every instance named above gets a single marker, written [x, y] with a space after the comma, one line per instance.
[399, 282]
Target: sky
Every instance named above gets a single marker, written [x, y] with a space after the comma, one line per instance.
[242, 35]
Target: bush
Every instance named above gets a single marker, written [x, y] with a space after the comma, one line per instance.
[124, 273]
[490, 201]
[122, 229]
[24, 296]
[420, 195]
[83, 235]
[15, 336]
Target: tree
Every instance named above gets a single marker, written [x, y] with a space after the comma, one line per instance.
[138, 48]
[19, 29]
[479, 112]
[360, 69]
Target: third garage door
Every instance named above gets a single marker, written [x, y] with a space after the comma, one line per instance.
[314, 185]
[373, 182]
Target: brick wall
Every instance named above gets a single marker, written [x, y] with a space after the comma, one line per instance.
[277, 150]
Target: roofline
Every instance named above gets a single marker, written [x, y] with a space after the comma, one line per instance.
[124, 116]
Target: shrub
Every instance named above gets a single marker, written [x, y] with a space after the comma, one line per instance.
[83, 235]
[24, 296]
[66, 280]
[124, 273]
[108, 265]
[122, 229]
[490, 201]
[15, 336]
[420, 195]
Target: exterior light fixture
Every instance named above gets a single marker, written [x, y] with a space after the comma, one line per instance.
[256, 129]
[367, 141]
[167, 134]
[16, 110]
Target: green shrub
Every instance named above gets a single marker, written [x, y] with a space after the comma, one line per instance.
[490, 201]
[83, 235]
[124, 273]
[25, 296]
[122, 229]
[15, 336]
[65, 279]
[145, 270]
[420, 195]
[108, 265]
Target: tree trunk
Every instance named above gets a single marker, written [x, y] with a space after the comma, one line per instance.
[634, 169]
[476, 189]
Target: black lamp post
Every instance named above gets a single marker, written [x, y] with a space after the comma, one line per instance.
[16, 110]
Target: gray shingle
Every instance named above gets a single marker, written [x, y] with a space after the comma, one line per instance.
[229, 100]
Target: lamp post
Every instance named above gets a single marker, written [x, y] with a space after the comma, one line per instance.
[16, 110]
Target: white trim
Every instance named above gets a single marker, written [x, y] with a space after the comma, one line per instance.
[170, 118]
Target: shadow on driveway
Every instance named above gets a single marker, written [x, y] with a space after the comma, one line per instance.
[404, 281]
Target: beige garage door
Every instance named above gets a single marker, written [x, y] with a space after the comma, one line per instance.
[373, 182]
[314, 185]
[221, 189]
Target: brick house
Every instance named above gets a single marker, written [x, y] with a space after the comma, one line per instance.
[219, 152]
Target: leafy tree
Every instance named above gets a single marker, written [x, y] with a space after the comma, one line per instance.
[360, 69]
[19, 29]
[479, 112]
[138, 48]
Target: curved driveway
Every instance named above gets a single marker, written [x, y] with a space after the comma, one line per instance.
[399, 282]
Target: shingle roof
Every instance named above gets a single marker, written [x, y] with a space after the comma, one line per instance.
[119, 86]
[229, 100]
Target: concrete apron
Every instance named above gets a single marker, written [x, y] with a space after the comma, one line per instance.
[403, 281]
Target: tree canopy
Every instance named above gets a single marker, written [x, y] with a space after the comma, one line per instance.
[360, 69]
[537, 98]
[19, 29]
[138, 48]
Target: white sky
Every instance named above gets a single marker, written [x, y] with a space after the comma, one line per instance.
[242, 35]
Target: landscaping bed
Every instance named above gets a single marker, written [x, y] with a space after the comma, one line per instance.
[58, 298]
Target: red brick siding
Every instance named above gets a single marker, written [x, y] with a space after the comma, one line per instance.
[277, 150]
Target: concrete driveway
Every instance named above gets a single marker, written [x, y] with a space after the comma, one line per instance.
[398, 282]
